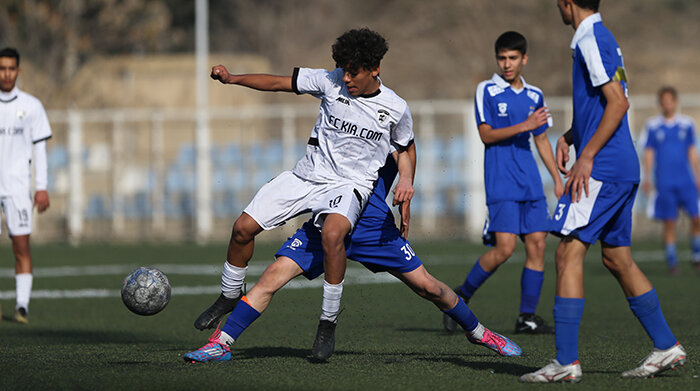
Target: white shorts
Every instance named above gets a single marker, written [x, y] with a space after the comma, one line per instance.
[18, 214]
[287, 196]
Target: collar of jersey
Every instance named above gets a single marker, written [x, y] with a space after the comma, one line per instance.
[583, 28]
[498, 80]
[8, 96]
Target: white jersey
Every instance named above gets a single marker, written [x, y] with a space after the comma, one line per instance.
[23, 123]
[353, 135]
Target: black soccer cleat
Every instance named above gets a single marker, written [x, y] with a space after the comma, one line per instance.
[212, 315]
[324, 344]
[532, 324]
[21, 315]
[450, 324]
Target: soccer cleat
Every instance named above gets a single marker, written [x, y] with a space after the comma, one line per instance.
[21, 315]
[212, 351]
[212, 315]
[498, 343]
[324, 344]
[532, 324]
[555, 373]
[450, 324]
[658, 361]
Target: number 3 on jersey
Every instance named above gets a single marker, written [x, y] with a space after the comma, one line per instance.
[560, 212]
[408, 251]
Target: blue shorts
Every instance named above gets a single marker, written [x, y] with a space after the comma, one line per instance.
[605, 215]
[517, 217]
[669, 199]
[389, 252]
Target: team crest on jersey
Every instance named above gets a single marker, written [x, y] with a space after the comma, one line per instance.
[20, 114]
[295, 244]
[382, 116]
[660, 137]
[682, 134]
[502, 109]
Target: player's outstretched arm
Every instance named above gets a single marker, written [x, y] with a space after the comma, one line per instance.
[489, 135]
[256, 81]
[615, 110]
[693, 159]
[544, 148]
[648, 162]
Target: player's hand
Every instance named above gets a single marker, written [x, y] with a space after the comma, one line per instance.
[220, 73]
[537, 119]
[646, 186]
[405, 212]
[558, 188]
[578, 178]
[41, 200]
[562, 155]
[402, 192]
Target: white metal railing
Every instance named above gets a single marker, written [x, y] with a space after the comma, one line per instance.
[437, 123]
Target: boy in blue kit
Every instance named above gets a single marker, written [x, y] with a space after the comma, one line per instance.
[508, 110]
[670, 150]
[598, 199]
[379, 246]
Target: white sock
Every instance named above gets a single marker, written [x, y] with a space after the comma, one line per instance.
[232, 280]
[478, 332]
[24, 289]
[331, 300]
[226, 339]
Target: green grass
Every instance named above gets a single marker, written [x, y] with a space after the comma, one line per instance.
[388, 338]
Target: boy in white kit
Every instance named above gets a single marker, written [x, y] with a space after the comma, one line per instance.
[23, 127]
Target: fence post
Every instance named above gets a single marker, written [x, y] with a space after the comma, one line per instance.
[117, 174]
[427, 129]
[75, 177]
[158, 190]
[475, 198]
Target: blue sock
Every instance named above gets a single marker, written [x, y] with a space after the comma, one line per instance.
[463, 315]
[530, 287]
[475, 278]
[567, 319]
[647, 309]
[696, 248]
[671, 257]
[241, 317]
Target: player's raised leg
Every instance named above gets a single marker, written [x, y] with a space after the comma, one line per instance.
[246, 312]
[23, 276]
[452, 305]
[484, 267]
[531, 286]
[644, 303]
[240, 251]
[335, 229]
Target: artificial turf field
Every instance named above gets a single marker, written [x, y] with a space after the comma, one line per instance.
[387, 338]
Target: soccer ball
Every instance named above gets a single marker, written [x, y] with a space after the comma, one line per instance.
[146, 291]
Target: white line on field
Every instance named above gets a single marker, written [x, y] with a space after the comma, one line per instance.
[352, 277]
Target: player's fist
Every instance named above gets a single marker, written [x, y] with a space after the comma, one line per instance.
[220, 73]
[41, 200]
[538, 118]
[562, 155]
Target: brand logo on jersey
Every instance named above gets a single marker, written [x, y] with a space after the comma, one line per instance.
[534, 96]
[382, 116]
[20, 114]
[343, 100]
[335, 202]
[495, 90]
[295, 244]
[350, 128]
[502, 109]
[11, 131]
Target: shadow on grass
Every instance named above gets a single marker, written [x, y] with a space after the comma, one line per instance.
[45, 336]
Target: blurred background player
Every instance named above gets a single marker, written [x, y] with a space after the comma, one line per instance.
[508, 110]
[359, 121]
[379, 246]
[598, 199]
[670, 150]
[23, 125]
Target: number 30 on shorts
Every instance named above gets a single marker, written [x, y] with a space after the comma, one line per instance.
[408, 251]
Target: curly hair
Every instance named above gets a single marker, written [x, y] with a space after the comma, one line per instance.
[359, 48]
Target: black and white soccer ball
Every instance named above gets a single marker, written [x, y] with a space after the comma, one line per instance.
[146, 291]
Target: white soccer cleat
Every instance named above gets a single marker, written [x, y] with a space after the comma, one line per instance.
[658, 361]
[555, 373]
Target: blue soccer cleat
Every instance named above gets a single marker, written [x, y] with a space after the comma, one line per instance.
[213, 351]
[498, 343]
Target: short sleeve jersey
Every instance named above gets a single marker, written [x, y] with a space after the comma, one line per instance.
[23, 123]
[597, 60]
[510, 170]
[353, 135]
[670, 141]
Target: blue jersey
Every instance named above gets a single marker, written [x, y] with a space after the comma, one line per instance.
[510, 170]
[376, 223]
[597, 61]
[670, 141]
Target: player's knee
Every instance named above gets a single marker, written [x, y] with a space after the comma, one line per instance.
[243, 231]
[505, 250]
[332, 238]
